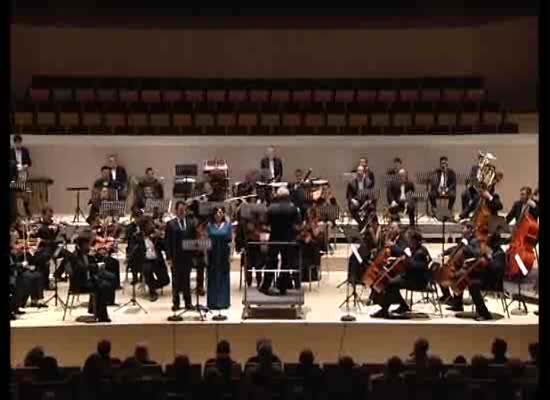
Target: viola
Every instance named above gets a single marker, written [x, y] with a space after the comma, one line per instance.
[522, 247]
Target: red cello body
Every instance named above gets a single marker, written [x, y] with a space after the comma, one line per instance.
[523, 245]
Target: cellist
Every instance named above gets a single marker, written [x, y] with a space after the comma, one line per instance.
[414, 277]
[524, 204]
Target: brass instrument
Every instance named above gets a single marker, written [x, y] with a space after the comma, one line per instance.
[486, 175]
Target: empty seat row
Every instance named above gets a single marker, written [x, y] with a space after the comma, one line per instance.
[236, 96]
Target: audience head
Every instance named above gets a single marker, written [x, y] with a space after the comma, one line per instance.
[364, 162]
[104, 348]
[460, 360]
[515, 368]
[534, 352]
[270, 152]
[223, 350]
[265, 354]
[181, 363]
[435, 366]
[307, 358]
[499, 348]
[34, 356]
[421, 347]
[18, 141]
[346, 363]
[141, 353]
[394, 367]
[48, 368]
[479, 367]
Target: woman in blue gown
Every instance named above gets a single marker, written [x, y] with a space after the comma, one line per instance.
[219, 231]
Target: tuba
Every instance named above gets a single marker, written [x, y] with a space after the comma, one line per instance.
[486, 174]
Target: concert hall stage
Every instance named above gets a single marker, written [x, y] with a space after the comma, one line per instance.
[367, 339]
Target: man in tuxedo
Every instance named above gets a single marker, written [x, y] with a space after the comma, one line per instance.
[525, 203]
[182, 227]
[399, 197]
[283, 217]
[20, 155]
[119, 178]
[443, 184]
[356, 190]
[20, 163]
[298, 191]
[273, 164]
[397, 165]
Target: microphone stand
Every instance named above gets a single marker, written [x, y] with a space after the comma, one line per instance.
[55, 295]
[133, 300]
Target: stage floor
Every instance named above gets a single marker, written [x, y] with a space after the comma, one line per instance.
[321, 329]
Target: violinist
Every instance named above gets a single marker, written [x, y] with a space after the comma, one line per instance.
[415, 276]
[87, 275]
[25, 280]
[99, 195]
[103, 249]
[47, 232]
[147, 251]
[399, 197]
[313, 241]
[148, 188]
[133, 235]
[524, 204]
[371, 244]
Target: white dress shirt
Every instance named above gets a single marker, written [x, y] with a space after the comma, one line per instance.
[150, 251]
[443, 180]
[272, 167]
[402, 197]
[113, 174]
[19, 156]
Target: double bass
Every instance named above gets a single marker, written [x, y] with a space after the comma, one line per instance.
[520, 255]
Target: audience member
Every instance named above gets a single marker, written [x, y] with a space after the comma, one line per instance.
[140, 357]
[390, 383]
[479, 367]
[534, 354]
[223, 362]
[34, 356]
[263, 379]
[259, 344]
[309, 373]
[48, 370]
[498, 349]
[435, 367]
[460, 360]
[419, 355]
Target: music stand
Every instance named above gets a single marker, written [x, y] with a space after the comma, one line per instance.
[162, 205]
[55, 296]
[111, 208]
[425, 178]
[78, 211]
[192, 245]
[352, 236]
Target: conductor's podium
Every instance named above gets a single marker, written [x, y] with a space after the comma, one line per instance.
[288, 306]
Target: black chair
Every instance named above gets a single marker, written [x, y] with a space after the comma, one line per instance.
[429, 292]
[74, 292]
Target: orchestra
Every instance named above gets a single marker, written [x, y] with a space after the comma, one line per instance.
[386, 260]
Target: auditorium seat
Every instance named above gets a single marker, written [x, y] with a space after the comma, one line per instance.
[323, 96]
[259, 96]
[301, 96]
[247, 116]
[336, 115]
[159, 115]
[173, 96]
[214, 96]
[46, 115]
[226, 117]
[280, 96]
[60, 95]
[401, 114]
[182, 115]
[344, 96]
[24, 113]
[69, 114]
[129, 94]
[39, 95]
[115, 116]
[379, 116]
[91, 114]
[409, 95]
[85, 95]
[107, 95]
[194, 96]
[387, 96]
[237, 96]
[138, 116]
[365, 96]
[270, 117]
[469, 115]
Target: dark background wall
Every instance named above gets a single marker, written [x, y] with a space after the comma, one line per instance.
[505, 52]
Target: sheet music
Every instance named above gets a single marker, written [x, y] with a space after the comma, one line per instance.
[354, 249]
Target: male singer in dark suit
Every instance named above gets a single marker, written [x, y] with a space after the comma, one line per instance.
[283, 217]
[399, 197]
[524, 202]
[443, 184]
[118, 177]
[272, 164]
[183, 227]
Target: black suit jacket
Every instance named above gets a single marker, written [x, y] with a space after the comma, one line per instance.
[494, 205]
[394, 190]
[515, 212]
[82, 276]
[25, 156]
[121, 178]
[353, 186]
[277, 166]
[451, 180]
[473, 175]
[175, 235]
[417, 265]
[282, 217]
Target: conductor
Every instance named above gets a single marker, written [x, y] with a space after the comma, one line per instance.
[283, 217]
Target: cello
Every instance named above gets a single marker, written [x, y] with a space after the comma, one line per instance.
[520, 255]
